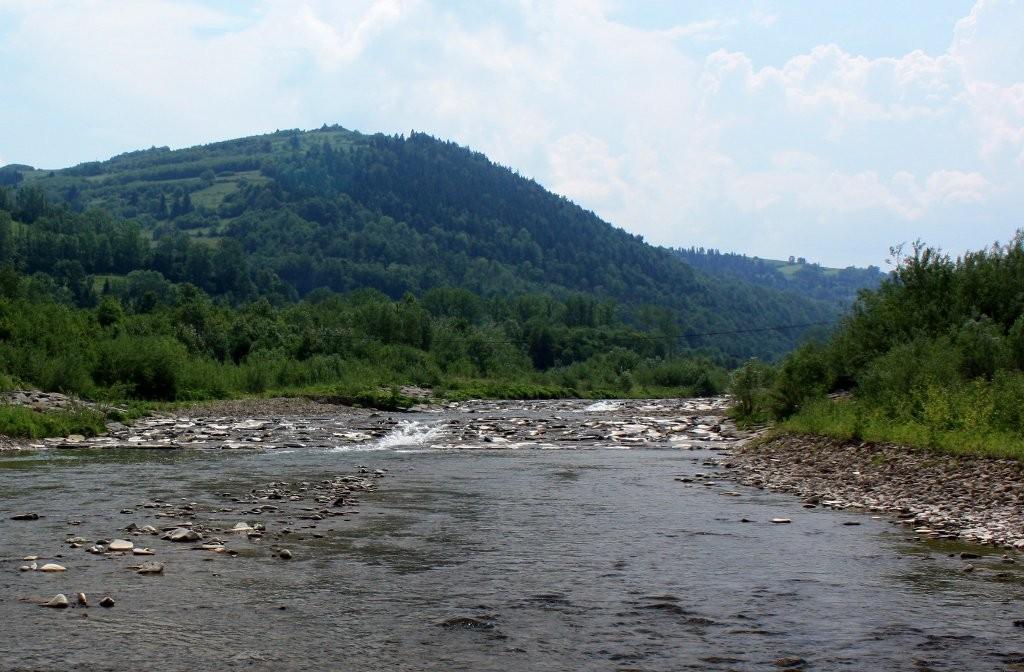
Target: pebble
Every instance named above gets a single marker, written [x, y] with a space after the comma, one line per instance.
[781, 521]
[52, 567]
[143, 551]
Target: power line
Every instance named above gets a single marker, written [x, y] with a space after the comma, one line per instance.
[623, 337]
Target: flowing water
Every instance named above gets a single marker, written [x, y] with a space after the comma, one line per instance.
[478, 552]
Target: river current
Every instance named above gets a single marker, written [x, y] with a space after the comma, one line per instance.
[607, 539]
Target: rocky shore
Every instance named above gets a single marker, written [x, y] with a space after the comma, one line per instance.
[937, 496]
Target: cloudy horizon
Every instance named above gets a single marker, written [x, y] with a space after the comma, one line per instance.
[767, 128]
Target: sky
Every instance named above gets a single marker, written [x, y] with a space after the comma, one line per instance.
[829, 130]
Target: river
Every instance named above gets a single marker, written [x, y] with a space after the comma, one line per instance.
[482, 547]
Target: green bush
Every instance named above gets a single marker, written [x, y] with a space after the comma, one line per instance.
[150, 367]
[749, 387]
[982, 348]
[802, 375]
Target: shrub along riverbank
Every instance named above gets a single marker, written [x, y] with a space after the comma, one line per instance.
[933, 358]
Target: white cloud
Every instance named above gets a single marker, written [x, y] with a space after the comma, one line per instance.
[627, 121]
[698, 30]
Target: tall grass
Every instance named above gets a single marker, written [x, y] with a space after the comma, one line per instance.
[22, 422]
[853, 420]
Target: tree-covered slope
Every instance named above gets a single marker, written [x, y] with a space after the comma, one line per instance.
[837, 286]
[283, 214]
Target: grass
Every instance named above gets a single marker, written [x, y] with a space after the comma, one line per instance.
[212, 196]
[850, 420]
[21, 422]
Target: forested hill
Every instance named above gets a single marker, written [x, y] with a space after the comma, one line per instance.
[280, 215]
[837, 286]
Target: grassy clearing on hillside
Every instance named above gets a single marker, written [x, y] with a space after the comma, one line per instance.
[212, 196]
[850, 420]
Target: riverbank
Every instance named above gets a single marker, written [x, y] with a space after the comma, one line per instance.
[940, 496]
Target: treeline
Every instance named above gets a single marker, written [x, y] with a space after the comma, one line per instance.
[185, 346]
[934, 356]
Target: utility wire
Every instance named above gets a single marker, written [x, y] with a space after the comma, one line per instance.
[623, 337]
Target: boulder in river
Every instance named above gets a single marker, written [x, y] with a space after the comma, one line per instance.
[120, 545]
[182, 534]
[107, 602]
[150, 568]
[25, 516]
[59, 601]
[52, 567]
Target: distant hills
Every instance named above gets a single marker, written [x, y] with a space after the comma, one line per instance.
[281, 215]
[836, 286]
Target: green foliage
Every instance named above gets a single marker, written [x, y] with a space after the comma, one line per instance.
[383, 399]
[23, 422]
[148, 367]
[853, 420]
[934, 357]
[835, 286]
[283, 215]
[749, 387]
[357, 347]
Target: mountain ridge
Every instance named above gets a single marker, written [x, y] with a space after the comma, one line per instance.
[336, 209]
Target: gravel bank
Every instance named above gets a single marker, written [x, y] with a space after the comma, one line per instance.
[275, 406]
[973, 499]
